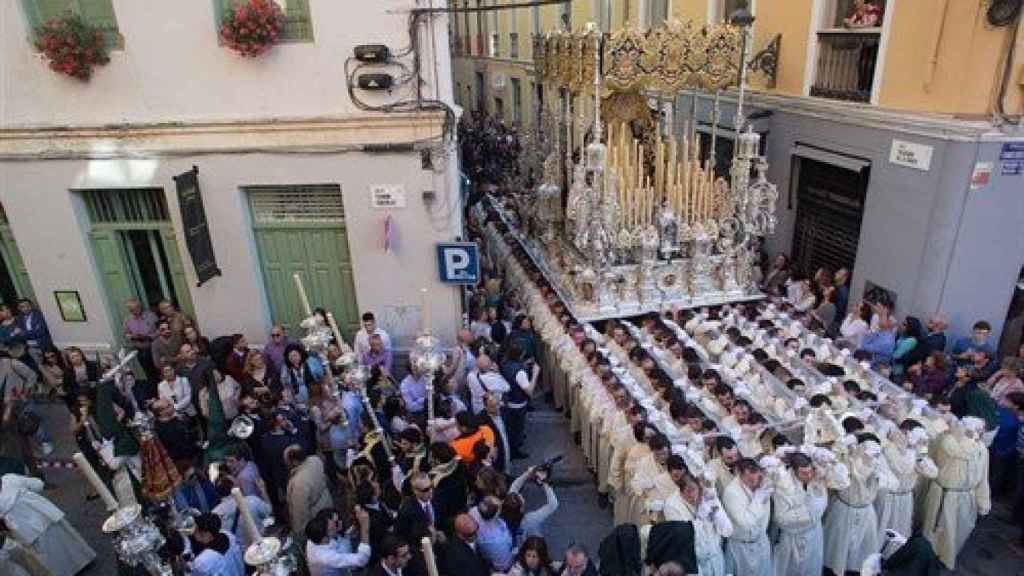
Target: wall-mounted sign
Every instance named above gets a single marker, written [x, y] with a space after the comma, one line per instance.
[197, 230]
[70, 305]
[911, 155]
[387, 197]
[1012, 167]
[982, 175]
[458, 262]
[1012, 151]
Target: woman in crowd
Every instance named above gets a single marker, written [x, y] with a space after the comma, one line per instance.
[79, 374]
[928, 381]
[532, 559]
[52, 371]
[1007, 380]
[199, 342]
[296, 376]
[909, 336]
[258, 378]
[856, 324]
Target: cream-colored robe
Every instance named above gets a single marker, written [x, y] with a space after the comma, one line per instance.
[957, 495]
[748, 551]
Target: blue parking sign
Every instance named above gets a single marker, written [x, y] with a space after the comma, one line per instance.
[458, 262]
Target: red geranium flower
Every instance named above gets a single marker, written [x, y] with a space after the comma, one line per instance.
[72, 45]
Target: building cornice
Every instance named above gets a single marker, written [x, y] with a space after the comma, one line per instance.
[273, 135]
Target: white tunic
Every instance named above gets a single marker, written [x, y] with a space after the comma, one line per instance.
[895, 508]
[710, 525]
[748, 551]
[957, 496]
[851, 526]
[797, 512]
[36, 523]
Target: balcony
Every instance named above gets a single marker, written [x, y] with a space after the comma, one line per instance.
[846, 63]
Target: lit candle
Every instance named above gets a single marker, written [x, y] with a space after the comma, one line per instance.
[425, 314]
[90, 474]
[247, 520]
[302, 295]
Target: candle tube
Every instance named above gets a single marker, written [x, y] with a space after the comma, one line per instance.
[90, 474]
[337, 333]
[425, 312]
[428, 556]
[246, 514]
[302, 295]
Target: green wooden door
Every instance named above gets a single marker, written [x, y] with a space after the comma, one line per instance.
[15, 265]
[320, 255]
[112, 265]
[179, 280]
[118, 266]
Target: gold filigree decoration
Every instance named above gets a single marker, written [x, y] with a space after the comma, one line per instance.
[670, 58]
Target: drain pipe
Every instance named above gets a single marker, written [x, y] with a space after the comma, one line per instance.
[933, 54]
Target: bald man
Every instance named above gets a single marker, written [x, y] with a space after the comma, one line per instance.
[461, 555]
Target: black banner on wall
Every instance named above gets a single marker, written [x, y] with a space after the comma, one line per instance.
[197, 230]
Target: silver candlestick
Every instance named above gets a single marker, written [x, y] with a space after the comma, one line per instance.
[137, 540]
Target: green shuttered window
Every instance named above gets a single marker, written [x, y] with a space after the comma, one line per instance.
[99, 13]
[298, 25]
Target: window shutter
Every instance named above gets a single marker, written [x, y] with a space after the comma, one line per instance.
[219, 7]
[298, 26]
[100, 13]
[37, 12]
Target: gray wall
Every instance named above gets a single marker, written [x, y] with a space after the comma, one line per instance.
[925, 235]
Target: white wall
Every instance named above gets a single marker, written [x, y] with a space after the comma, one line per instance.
[53, 234]
[173, 70]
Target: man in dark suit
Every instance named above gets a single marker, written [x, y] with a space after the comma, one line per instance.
[394, 556]
[491, 416]
[416, 516]
[381, 519]
[577, 562]
[461, 556]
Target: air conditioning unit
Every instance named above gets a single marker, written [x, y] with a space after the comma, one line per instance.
[498, 82]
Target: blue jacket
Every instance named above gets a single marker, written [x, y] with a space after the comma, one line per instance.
[34, 329]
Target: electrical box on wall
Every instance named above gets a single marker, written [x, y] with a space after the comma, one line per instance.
[372, 53]
[375, 81]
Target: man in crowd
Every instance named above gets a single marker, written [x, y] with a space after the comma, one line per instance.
[362, 339]
[273, 351]
[462, 554]
[522, 378]
[378, 356]
[482, 379]
[327, 551]
[216, 552]
[307, 487]
[140, 329]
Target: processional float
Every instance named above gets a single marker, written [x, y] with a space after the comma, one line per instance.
[647, 222]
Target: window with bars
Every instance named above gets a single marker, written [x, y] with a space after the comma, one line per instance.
[513, 45]
[494, 48]
[298, 23]
[318, 203]
[99, 13]
[729, 7]
[125, 205]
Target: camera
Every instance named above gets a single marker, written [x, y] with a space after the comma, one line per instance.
[547, 464]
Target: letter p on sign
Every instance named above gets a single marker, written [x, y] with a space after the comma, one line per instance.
[458, 262]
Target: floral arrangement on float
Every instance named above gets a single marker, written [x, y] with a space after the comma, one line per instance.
[72, 45]
[251, 27]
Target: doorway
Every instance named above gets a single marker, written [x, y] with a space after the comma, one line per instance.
[301, 230]
[829, 208]
[135, 249]
[14, 281]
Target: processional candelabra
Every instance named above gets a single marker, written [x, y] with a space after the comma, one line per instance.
[652, 220]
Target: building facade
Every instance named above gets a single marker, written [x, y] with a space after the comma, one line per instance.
[300, 170]
[896, 147]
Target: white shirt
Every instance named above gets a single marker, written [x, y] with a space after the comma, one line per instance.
[481, 383]
[179, 393]
[213, 563]
[334, 557]
[226, 509]
[361, 343]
